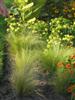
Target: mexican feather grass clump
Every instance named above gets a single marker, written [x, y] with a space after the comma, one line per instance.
[24, 72]
[24, 53]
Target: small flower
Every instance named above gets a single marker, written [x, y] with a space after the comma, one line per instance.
[71, 88]
[60, 64]
[68, 66]
[73, 57]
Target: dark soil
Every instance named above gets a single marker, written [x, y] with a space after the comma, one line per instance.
[44, 92]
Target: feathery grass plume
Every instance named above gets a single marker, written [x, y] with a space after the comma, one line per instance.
[26, 39]
[24, 75]
[24, 51]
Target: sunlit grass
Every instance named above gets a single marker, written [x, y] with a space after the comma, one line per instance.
[24, 71]
[24, 52]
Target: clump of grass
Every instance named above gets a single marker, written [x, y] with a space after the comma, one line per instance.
[27, 40]
[24, 51]
[24, 75]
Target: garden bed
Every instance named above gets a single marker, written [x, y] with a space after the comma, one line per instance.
[44, 91]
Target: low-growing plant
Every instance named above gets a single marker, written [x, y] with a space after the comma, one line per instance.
[66, 74]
